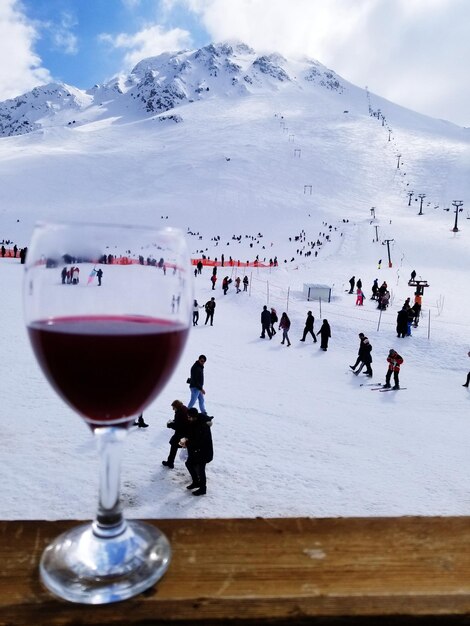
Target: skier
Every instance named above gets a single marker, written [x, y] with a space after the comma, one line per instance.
[213, 280]
[352, 282]
[284, 324]
[417, 307]
[325, 332]
[309, 322]
[225, 284]
[245, 283]
[394, 361]
[265, 323]
[237, 284]
[359, 297]
[63, 275]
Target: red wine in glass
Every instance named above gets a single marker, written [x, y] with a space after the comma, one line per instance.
[108, 368]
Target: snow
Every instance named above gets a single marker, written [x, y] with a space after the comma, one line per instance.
[294, 432]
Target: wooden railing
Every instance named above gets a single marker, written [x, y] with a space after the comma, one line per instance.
[237, 572]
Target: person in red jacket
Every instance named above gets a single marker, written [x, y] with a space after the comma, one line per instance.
[394, 361]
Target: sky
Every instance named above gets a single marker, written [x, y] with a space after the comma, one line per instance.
[413, 52]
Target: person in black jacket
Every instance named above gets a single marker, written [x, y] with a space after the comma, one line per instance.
[358, 360]
[196, 384]
[325, 334]
[198, 442]
[180, 425]
[265, 323]
[309, 327]
[352, 282]
[365, 355]
[210, 310]
[402, 323]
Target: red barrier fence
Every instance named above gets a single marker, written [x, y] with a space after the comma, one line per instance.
[122, 260]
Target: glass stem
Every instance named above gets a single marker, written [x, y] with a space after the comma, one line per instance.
[109, 520]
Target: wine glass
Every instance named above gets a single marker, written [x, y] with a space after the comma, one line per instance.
[107, 309]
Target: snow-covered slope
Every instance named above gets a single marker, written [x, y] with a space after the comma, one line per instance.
[263, 168]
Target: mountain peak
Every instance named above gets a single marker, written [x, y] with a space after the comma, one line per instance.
[164, 82]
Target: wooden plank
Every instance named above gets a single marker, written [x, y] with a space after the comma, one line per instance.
[282, 571]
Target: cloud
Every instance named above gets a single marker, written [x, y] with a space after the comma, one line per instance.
[150, 41]
[414, 52]
[20, 67]
[61, 34]
[130, 4]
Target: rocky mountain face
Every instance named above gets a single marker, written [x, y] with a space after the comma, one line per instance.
[162, 83]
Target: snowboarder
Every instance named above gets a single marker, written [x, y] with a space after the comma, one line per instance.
[309, 322]
[325, 333]
[394, 361]
[265, 323]
[284, 324]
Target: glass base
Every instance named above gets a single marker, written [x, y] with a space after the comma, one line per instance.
[84, 565]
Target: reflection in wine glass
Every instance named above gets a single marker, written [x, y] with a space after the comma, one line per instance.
[107, 339]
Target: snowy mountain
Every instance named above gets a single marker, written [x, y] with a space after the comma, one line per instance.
[269, 156]
[161, 83]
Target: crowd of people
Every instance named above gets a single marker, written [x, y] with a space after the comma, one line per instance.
[192, 438]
